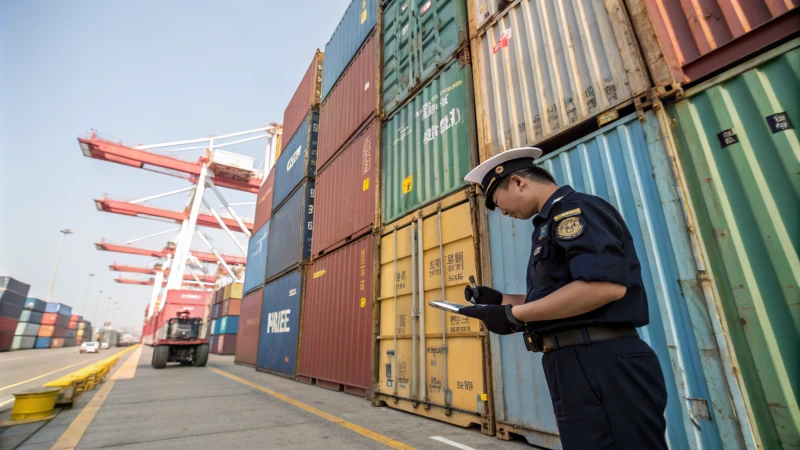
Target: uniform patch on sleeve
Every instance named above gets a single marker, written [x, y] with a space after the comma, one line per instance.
[570, 228]
[570, 213]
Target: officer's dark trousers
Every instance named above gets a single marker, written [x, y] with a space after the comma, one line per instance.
[608, 395]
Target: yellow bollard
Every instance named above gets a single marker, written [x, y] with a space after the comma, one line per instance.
[37, 403]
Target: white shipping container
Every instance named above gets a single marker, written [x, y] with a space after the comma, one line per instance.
[229, 159]
[543, 67]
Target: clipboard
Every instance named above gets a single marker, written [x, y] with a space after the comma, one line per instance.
[449, 307]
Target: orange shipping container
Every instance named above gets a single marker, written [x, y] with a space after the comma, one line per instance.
[231, 307]
[56, 342]
[249, 325]
[46, 330]
[49, 318]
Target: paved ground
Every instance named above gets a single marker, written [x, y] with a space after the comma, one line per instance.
[25, 369]
[189, 407]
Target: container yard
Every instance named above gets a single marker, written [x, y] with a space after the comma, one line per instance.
[286, 270]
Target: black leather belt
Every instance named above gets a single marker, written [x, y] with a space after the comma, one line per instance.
[581, 336]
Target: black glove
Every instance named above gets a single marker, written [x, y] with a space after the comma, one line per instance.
[496, 318]
[483, 295]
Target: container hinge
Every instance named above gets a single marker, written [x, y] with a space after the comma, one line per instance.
[698, 409]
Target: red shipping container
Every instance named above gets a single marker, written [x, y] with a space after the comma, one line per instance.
[49, 318]
[73, 325]
[249, 328]
[336, 343]
[56, 342]
[6, 339]
[8, 324]
[264, 201]
[685, 40]
[59, 332]
[231, 307]
[46, 330]
[305, 97]
[353, 101]
[75, 318]
[224, 344]
[346, 195]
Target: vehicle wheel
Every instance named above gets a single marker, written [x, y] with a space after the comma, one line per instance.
[201, 355]
[160, 356]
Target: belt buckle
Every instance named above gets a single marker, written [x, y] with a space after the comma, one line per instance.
[534, 343]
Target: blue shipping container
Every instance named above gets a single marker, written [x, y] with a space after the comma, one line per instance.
[255, 271]
[298, 159]
[42, 342]
[228, 325]
[31, 316]
[280, 324]
[59, 308]
[214, 327]
[354, 28]
[626, 164]
[290, 231]
[34, 304]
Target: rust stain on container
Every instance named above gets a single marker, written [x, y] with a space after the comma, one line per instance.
[264, 201]
[346, 194]
[249, 324]
[351, 103]
[335, 343]
[305, 97]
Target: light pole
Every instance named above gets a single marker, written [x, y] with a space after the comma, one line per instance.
[66, 232]
[97, 308]
[86, 299]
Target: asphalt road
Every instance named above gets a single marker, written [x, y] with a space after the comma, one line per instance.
[26, 369]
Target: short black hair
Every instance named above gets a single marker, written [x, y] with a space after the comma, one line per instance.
[534, 173]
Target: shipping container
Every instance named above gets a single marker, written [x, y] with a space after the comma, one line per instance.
[280, 324]
[79, 333]
[71, 334]
[73, 325]
[305, 98]
[10, 310]
[49, 318]
[75, 318]
[57, 342]
[347, 194]
[298, 161]
[8, 324]
[22, 342]
[31, 316]
[419, 38]
[34, 304]
[42, 342]
[69, 342]
[291, 229]
[232, 307]
[356, 24]
[46, 330]
[429, 144]
[264, 200]
[27, 329]
[433, 363]
[214, 328]
[232, 290]
[58, 308]
[228, 325]
[542, 68]
[11, 285]
[352, 103]
[627, 164]
[336, 344]
[686, 40]
[217, 311]
[6, 340]
[59, 332]
[249, 325]
[255, 271]
[223, 344]
[737, 144]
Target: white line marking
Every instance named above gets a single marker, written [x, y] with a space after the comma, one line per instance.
[6, 402]
[41, 354]
[453, 443]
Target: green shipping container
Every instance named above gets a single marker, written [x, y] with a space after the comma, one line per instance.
[737, 142]
[429, 145]
[419, 37]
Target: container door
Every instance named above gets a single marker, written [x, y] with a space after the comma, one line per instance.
[400, 66]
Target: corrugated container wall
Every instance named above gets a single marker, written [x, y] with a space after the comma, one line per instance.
[336, 344]
[350, 104]
[738, 146]
[356, 24]
[255, 271]
[346, 194]
[543, 67]
[249, 325]
[429, 144]
[419, 38]
[305, 98]
[419, 344]
[34, 304]
[685, 40]
[264, 200]
[280, 324]
[290, 231]
[298, 161]
[626, 164]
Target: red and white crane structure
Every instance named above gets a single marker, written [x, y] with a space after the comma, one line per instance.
[213, 169]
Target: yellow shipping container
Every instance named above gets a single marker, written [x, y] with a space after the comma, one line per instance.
[80, 333]
[438, 375]
[233, 290]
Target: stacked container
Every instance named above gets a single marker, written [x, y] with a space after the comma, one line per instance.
[249, 328]
[225, 326]
[13, 294]
[84, 332]
[55, 324]
[29, 323]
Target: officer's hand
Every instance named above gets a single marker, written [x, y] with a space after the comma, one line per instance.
[483, 295]
[496, 318]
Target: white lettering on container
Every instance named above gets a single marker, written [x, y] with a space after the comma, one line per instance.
[294, 158]
[278, 322]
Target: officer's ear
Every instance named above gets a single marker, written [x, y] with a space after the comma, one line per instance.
[516, 180]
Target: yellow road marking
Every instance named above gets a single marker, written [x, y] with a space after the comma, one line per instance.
[42, 376]
[350, 426]
[73, 435]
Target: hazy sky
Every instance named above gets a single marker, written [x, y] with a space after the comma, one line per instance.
[144, 72]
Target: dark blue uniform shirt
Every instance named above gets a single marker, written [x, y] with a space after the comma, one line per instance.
[579, 236]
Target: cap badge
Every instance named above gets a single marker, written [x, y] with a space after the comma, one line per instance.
[499, 169]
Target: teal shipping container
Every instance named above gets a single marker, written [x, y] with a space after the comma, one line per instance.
[429, 143]
[419, 38]
[626, 164]
[737, 143]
